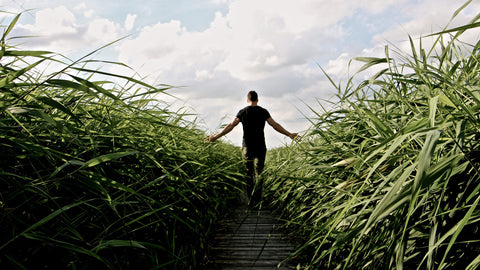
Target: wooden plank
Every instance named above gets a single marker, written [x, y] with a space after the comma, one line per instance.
[249, 239]
[251, 235]
[252, 245]
[228, 264]
[259, 268]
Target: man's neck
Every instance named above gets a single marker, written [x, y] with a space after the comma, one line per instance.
[253, 103]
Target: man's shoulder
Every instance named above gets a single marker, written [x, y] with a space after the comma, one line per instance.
[253, 109]
[242, 110]
[265, 112]
[263, 109]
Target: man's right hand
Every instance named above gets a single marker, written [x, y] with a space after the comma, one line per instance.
[211, 138]
[295, 136]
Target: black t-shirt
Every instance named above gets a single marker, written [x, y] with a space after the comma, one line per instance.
[253, 121]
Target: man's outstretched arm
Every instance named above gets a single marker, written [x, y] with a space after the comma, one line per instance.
[229, 127]
[280, 129]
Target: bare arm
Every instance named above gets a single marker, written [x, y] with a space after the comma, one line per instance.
[229, 127]
[280, 129]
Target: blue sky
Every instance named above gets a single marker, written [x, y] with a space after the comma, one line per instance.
[218, 50]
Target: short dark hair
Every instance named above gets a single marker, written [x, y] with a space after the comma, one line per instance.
[252, 96]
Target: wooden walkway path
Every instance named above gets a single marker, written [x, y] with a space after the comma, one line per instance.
[248, 239]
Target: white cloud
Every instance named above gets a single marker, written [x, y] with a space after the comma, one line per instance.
[130, 21]
[89, 13]
[427, 17]
[156, 50]
[101, 31]
[219, 1]
[56, 29]
[54, 21]
[201, 75]
[254, 41]
[424, 19]
[341, 66]
[82, 7]
[377, 6]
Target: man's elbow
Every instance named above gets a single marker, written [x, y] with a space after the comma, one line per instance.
[230, 127]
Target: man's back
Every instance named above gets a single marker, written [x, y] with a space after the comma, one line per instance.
[253, 121]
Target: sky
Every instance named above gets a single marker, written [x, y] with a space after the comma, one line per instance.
[215, 51]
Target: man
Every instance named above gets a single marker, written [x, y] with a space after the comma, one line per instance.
[253, 119]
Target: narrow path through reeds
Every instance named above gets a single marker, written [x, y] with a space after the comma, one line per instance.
[250, 239]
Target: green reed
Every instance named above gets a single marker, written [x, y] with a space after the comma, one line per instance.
[99, 174]
[389, 178]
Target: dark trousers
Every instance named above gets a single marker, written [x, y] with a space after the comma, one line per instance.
[254, 161]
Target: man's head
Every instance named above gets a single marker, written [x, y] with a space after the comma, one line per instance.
[252, 96]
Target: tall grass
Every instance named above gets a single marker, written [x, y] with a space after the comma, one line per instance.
[98, 175]
[390, 179]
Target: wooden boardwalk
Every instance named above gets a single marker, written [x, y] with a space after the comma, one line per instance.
[248, 239]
